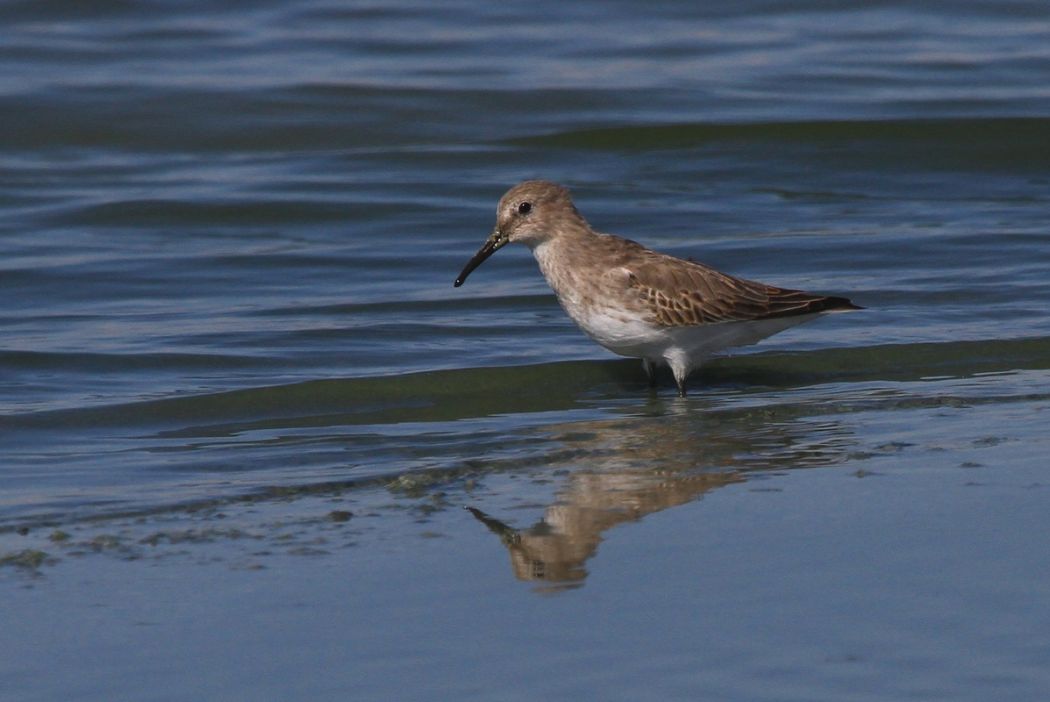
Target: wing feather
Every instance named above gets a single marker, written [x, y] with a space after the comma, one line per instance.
[686, 293]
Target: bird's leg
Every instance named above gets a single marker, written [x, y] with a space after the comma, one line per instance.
[679, 363]
[650, 371]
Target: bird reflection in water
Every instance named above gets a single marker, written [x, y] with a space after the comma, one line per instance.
[620, 485]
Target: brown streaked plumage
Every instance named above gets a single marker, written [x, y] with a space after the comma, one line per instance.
[638, 302]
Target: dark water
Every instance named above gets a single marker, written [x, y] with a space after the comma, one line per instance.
[228, 236]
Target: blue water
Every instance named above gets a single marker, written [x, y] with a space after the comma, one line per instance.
[227, 243]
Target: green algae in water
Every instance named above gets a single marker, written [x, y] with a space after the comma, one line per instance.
[29, 558]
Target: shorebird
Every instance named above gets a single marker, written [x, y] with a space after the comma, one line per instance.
[637, 302]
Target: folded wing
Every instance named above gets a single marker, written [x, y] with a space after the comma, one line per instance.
[686, 293]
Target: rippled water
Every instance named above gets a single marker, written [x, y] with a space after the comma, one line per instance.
[228, 238]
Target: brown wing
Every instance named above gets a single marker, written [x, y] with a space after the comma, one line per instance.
[686, 293]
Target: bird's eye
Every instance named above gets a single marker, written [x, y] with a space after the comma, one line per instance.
[525, 208]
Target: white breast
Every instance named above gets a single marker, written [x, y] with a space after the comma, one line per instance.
[595, 306]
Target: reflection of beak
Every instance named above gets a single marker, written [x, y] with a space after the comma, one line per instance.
[508, 534]
[494, 243]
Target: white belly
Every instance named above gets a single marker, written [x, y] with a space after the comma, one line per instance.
[630, 336]
[621, 332]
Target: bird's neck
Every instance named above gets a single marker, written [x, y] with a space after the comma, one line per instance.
[560, 258]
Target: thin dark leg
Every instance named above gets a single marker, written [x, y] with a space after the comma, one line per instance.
[650, 371]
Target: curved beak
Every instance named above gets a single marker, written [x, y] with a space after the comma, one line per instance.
[494, 243]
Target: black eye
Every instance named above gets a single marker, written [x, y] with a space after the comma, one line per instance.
[525, 208]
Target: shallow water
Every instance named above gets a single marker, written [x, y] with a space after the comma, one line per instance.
[227, 245]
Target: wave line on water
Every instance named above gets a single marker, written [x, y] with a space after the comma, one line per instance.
[446, 395]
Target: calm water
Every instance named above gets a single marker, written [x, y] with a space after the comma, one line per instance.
[227, 245]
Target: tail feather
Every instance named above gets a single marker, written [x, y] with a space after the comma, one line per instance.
[838, 304]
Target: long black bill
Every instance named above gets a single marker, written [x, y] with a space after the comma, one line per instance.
[493, 244]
